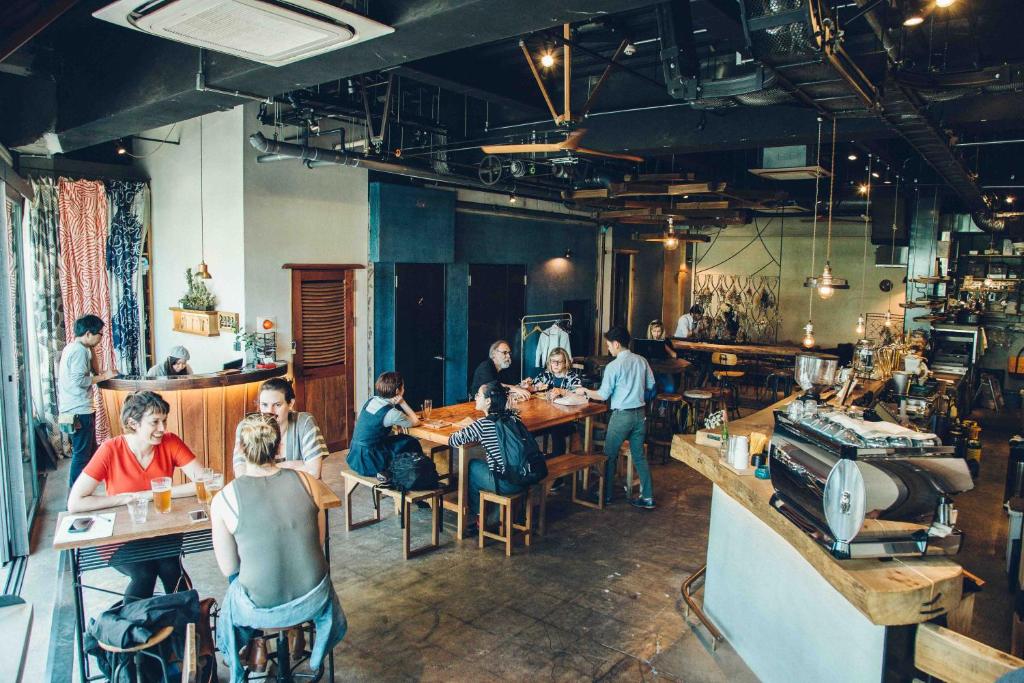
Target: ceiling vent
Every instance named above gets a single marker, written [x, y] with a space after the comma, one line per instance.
[267, 31]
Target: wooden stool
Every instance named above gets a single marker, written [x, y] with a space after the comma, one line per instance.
[775, 381]
[624, 468]
[699, 402]
[138, 652]
[507, 526]
[285, 651]
[663, 423]
[727, 380]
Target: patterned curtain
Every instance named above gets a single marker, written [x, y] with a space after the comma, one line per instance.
[127, 203]
[83, 277]
[46, 332]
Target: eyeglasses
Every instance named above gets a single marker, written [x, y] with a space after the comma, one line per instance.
[506, 352]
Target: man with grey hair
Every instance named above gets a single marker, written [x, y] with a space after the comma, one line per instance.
[496, 368]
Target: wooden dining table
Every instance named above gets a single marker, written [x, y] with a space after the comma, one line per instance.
[156, 538]
[537, 415]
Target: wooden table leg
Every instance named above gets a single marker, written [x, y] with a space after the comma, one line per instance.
[460, 514]
[588, 434]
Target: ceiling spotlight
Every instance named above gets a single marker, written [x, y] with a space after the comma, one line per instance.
[512, 198]
[874, 174]
[547, 60]
[913, 20]
[852, 157]
[1010, 199]
[120, 148]
[862, 189]
[567, 255]
[944, 3]
[629, 50]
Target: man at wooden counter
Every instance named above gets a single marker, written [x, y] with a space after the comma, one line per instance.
[626, 382]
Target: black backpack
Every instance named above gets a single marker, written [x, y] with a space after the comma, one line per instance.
[411, 471]
[524, 463]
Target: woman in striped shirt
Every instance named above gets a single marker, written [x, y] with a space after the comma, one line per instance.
[492, 400]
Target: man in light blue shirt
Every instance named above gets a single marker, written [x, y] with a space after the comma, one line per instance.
[626, 383]
[75, 379]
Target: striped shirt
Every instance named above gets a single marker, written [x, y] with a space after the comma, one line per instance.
[484, 432]
[303, 440]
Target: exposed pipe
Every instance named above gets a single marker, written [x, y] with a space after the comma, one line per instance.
[982, 143]
[316, 156]
[525, 214]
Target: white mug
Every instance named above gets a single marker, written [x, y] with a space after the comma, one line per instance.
[739, 451]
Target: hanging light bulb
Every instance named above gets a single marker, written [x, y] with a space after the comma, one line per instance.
[671, 242]
[825, 289]
[547, 60]
[888, 319]
[860, 326]
[808, 340]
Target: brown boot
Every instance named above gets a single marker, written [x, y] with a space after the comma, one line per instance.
[296, 642]
[258, 655]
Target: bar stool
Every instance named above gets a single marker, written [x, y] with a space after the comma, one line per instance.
[664, 422]
[778, 380]
[727, 380]
[285, 653]
[137, 653]
[507, 505]
[699, 402]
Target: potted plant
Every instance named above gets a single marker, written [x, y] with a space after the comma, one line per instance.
[197, 313]
[247, 341]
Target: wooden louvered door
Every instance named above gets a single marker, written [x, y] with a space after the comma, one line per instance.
[323, 331]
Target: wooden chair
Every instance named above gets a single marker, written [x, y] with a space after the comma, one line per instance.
[950, 656]
[352, 480]
[138, 652]
[507, 525]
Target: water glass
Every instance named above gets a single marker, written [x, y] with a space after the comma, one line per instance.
[161, 487]
[138, 509]
[428, 407]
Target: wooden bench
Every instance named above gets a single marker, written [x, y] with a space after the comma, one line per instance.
[566, 465]
[15, 625]
[433, 498]
[508, 525]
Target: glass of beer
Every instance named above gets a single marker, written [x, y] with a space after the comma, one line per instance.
[214, 483]
[161, 487]
[203, 493]
[428, 407]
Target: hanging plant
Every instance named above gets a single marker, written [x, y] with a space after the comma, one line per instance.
[197, 296]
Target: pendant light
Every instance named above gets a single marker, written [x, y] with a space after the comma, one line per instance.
[861, 327]
[812, 281]
[827, 284]
[892, 252]
[202, 270]
[671, 241]
[808, 340]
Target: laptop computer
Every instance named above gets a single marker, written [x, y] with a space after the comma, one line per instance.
[234, 364]
[651, 349]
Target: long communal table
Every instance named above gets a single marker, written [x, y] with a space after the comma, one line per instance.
[537, 414]
[155, 539]
[744, 350]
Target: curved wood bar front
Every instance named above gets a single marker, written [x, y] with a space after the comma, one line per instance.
[205, 409]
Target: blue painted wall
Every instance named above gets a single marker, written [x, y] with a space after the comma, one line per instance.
[402, 235]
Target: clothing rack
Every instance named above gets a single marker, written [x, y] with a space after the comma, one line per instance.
[536, 323]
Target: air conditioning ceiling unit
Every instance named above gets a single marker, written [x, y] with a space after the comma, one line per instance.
[268, 31]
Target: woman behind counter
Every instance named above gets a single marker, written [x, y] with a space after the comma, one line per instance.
[175, 365]
[373, 445]
[302, 445]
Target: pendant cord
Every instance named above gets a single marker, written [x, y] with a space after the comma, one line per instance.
[867, 221]
[831, 193]
[892, 249]
[202, 210]
[814, 224]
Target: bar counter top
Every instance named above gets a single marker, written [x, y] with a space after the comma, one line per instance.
[888, 593]
[202, 381]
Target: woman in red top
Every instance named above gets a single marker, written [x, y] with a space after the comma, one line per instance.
[126, 464]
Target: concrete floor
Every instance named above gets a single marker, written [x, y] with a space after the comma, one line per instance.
[596, 599]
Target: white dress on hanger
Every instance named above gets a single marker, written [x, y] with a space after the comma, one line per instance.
[551, 338]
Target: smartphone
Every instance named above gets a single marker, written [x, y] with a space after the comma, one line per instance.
[198, 515]
[81, 525]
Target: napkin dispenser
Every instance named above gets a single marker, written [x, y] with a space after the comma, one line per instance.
[837, 487]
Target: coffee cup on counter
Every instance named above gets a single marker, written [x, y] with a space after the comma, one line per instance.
[739, 452]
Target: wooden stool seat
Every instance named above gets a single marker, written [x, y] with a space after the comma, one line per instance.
[157, 638]
[698, 394]
[432, 497]
[508, 525]
[720, 374]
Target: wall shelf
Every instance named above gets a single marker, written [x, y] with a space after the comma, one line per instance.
[201, 323]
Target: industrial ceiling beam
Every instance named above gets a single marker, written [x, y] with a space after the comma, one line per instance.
[154, 82]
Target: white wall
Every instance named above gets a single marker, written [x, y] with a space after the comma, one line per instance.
[835, 319]
[298, 215]
[175, 226]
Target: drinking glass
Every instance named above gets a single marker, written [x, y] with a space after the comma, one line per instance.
[161, 487]
[138, 509]
[202, 493]
[428, 407]
[214, 483]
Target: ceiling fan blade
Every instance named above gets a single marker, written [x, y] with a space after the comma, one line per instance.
[520, 149]
[609, 155]
[573, 140]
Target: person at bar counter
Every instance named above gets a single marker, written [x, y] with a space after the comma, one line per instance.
[175, 365]
[126, 464]
[496, 368]
[559, 378]
[302, 445]
[687, 326]
[269, 528]
[627, 381]
[76, 376]
[373, 443]
[656, 331]
[492, 399]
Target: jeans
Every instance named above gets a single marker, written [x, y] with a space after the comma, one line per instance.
[482, 479]
[628, 424]
[83, 445]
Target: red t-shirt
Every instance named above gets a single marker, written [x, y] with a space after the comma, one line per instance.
[116, 464]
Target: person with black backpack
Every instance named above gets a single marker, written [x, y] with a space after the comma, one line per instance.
[513, 464]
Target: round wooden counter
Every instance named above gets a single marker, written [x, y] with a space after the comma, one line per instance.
[205, 409]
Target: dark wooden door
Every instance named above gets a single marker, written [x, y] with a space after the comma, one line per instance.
[497, 301]
[622, 288]
[323, 329]
[419, 331]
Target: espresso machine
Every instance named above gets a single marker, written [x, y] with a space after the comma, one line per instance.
[837, 477]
